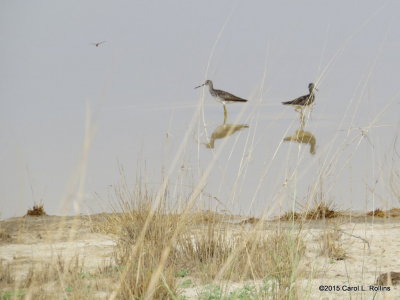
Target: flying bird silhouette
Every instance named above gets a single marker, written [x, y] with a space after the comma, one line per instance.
[98, 43]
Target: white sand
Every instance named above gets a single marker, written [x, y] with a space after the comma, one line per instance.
[372, 247]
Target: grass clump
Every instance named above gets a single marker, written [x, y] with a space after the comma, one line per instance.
[390, 278]
[37, 210]
[208, 217]
[6, 274]
[291, 216]
[284, 253]
[247, 292]
[392, 213]
[205, 245]
[4, 236]
[377, 213]
[204, 251]
[256, 256]
[142, 230]
[321, 210]
[250, 220]
[331, 245]
[57, 279]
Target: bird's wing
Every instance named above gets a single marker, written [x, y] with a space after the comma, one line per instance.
[98, 43]
[297, 101]
[229, 97]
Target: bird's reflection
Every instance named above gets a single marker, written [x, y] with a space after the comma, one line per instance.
[303, 114]
[224, 130]
[302, 136]
[305, 137]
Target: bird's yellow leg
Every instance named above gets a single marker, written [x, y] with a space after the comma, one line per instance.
[225, 114]
[302, 119]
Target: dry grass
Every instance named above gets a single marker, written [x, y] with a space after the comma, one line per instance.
[207, 217]
[284, 253]
[51, 280]
[291, 216]
[257, 254]
[4, 236]
[194, 247]
[390, 278]
[37, 210]
[203, 251]
[250, 220]
[139, 250]
[332, 246]
[204, 242]
[377, 213]
[6, 275]
[321, 210]
[207, 245]
[392, 213]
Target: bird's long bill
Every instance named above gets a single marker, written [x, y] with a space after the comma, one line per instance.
[199, 86]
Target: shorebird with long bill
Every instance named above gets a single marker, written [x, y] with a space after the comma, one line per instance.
[221, 96]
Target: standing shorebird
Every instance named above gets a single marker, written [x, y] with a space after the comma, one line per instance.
[221, 96]
[304, 100]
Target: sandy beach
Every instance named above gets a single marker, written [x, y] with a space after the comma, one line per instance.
[368, 246]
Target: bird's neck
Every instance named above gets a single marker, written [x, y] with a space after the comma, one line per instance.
[210, 86]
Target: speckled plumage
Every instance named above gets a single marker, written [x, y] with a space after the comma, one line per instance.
[304, 100]
[221, 96]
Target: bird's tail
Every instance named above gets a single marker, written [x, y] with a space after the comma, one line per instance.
[289, 138]
[287, 102]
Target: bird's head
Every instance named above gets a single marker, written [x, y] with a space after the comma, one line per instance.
[311, 87]
[208, 82]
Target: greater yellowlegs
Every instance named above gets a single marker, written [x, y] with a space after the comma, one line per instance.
[221, 96]
[98, 43]
[304, 100]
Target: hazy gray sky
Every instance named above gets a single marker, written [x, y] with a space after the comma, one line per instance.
[139, 86]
